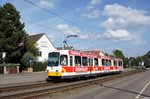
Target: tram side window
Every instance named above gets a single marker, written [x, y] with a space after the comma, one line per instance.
[95, 61]
[77, 61]
[63, 60]
[103, 62]
[109, 62]
[88, 61]
[120, 63]
[71, 61]
[115, 63]
[91, 62]
[84, 61]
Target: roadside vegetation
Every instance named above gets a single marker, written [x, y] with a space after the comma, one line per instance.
[13, 41]
[13, 38]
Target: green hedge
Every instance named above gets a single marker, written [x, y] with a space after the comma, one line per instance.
[39, 66]
[9, 65]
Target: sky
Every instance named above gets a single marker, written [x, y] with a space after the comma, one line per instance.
[104, 25]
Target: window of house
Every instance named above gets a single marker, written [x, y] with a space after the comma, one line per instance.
[39, 53]
[43, 44]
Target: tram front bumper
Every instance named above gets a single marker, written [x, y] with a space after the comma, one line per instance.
[54, 74]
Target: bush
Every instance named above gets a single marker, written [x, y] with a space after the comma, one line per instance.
[28, 56]
[39, 66]
[9, 65]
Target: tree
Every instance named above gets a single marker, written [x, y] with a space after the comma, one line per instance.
[118, 54]
[28, 56]
[146, 59]
[31, 53]
[32, 48]
[1, 56]
[12, 34]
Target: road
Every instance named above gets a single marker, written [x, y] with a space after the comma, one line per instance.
[133, 87]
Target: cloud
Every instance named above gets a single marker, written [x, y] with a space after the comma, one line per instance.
[84, 36]
[89, 7]
[91, 10]
[77, 9]
[125, 17]
[95, 2]
[67, 29]
[118, 34]
[121, 35]
[92, 14]
[47, 4]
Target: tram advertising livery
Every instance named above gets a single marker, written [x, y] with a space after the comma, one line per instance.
[67, 64]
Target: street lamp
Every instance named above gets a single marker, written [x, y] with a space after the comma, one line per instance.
[65, 40]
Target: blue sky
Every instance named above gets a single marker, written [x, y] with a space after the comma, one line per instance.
[100, 24]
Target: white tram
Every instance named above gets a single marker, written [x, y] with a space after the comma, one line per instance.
[70, 64]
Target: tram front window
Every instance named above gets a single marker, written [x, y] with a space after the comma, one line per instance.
[63, 60]
[53, 59]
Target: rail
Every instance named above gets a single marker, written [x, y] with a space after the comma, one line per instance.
[43, 89]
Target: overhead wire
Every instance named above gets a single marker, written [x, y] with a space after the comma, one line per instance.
[67, 20]
[41, 25]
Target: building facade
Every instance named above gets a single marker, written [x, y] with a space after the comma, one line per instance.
[44, 44]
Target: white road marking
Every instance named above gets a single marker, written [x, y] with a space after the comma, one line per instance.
[142, 90]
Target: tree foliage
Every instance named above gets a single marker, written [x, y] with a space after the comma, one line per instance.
[146, 59]
[118, 54]
[136, 61]
[28, 56]
[12, 34]
[32, 48]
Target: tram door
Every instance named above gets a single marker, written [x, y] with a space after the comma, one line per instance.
[91, 65]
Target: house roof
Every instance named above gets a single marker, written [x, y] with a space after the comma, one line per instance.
[66, 48]
[35, 38]
[96, 52]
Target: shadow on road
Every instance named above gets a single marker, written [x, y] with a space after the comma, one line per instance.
[124, 90]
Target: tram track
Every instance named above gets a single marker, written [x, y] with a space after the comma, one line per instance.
[42, 89]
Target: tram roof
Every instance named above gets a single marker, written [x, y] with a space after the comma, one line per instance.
[85, 54]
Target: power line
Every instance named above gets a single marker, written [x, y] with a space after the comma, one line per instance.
[57, 15]
[41, 25]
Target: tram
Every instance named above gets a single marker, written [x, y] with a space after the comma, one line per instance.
[68, 64]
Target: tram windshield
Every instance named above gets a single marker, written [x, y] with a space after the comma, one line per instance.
[53, 59]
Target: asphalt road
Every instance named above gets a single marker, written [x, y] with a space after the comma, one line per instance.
[133, 87]
[12, 79]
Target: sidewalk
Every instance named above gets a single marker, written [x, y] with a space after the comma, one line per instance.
[24, 77]
[9, 79]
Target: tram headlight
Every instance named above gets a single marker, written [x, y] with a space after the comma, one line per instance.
[56, 72]
[47, 71]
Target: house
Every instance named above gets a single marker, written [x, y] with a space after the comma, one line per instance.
[65, 48]
[44, 44]
[97, 52]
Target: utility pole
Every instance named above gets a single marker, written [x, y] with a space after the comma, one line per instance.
[129, 61]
